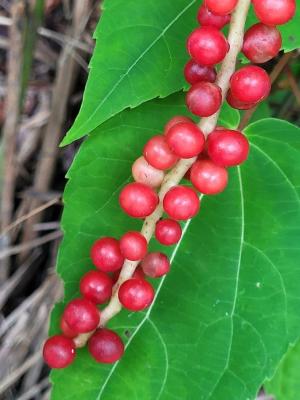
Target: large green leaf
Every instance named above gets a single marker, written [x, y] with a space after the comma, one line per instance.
[224, 316]
[140, 54]
[285, 385]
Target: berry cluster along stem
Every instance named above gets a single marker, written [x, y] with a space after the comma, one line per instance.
[207, 125]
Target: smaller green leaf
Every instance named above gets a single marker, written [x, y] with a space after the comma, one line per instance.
[286, 383]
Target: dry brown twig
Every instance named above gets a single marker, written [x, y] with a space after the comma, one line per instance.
[207, 125]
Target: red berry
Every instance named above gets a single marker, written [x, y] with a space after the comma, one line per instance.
[133, 246]
[195, 73]
[96, 286]
[221, 7]
[239, 105]
[181, 203]
[158, 154]
[106, 346]
[156, 265]
[168, 232]
[250, 84]
[176, 120]
[138, 274]
[274, 12]
[262, 43]
[143, 172]
[185, 139]
[208, 177]
[138, 200]
[59, 351]
[81, 316]
[207, 45]
[207, 18]
[66, 330]
[106, 254]
[136, 294]
[204, 99]
[227, 148]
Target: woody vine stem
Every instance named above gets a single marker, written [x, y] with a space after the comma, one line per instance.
[207, 125]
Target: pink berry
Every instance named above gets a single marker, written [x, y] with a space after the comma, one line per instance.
[133, 246]
[168, 232]
[195, 73]
[106, 254]
[96, 286]
[158, 154]
[59, 351]
[136, 294]
[66, 330]
[262, 43]
[176, 120]
[237, 104]
[106, 346]
[81, 316]
[207, 18]
[138, 200]
[208, 177]
[181, 203]
[156, 265]
[221, 7]
[143, 172]
[185, 139]
[227, 148]
[274, 12]
[250, 84]
[207, 45]
[204, 99]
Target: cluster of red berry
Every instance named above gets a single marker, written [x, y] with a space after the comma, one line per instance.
[182, 139]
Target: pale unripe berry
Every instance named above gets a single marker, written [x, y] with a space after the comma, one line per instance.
[261, 43]
[143, 172]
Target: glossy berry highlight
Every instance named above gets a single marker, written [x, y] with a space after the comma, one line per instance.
[96, 286]
[194, 73]
[133, 246]
[261, 43]
[208, 178]
[274, 12]
[168, 232]
[136, 294]
[155, 265]
[106, 346]
[143, 172]
[158, 154]
[81, 315]
[59, 352]
[221, 7]
[250, 84]
[204, 99]
[207, 18]
[138, 200]
[207, 46]
[227, 148]
[181, 203]
[185, 139]
[106, 254]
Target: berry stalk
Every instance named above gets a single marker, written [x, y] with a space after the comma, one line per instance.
[207, 125]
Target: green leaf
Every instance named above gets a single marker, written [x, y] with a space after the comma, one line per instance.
[285, 385]
[225, 315]
[140, 54]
